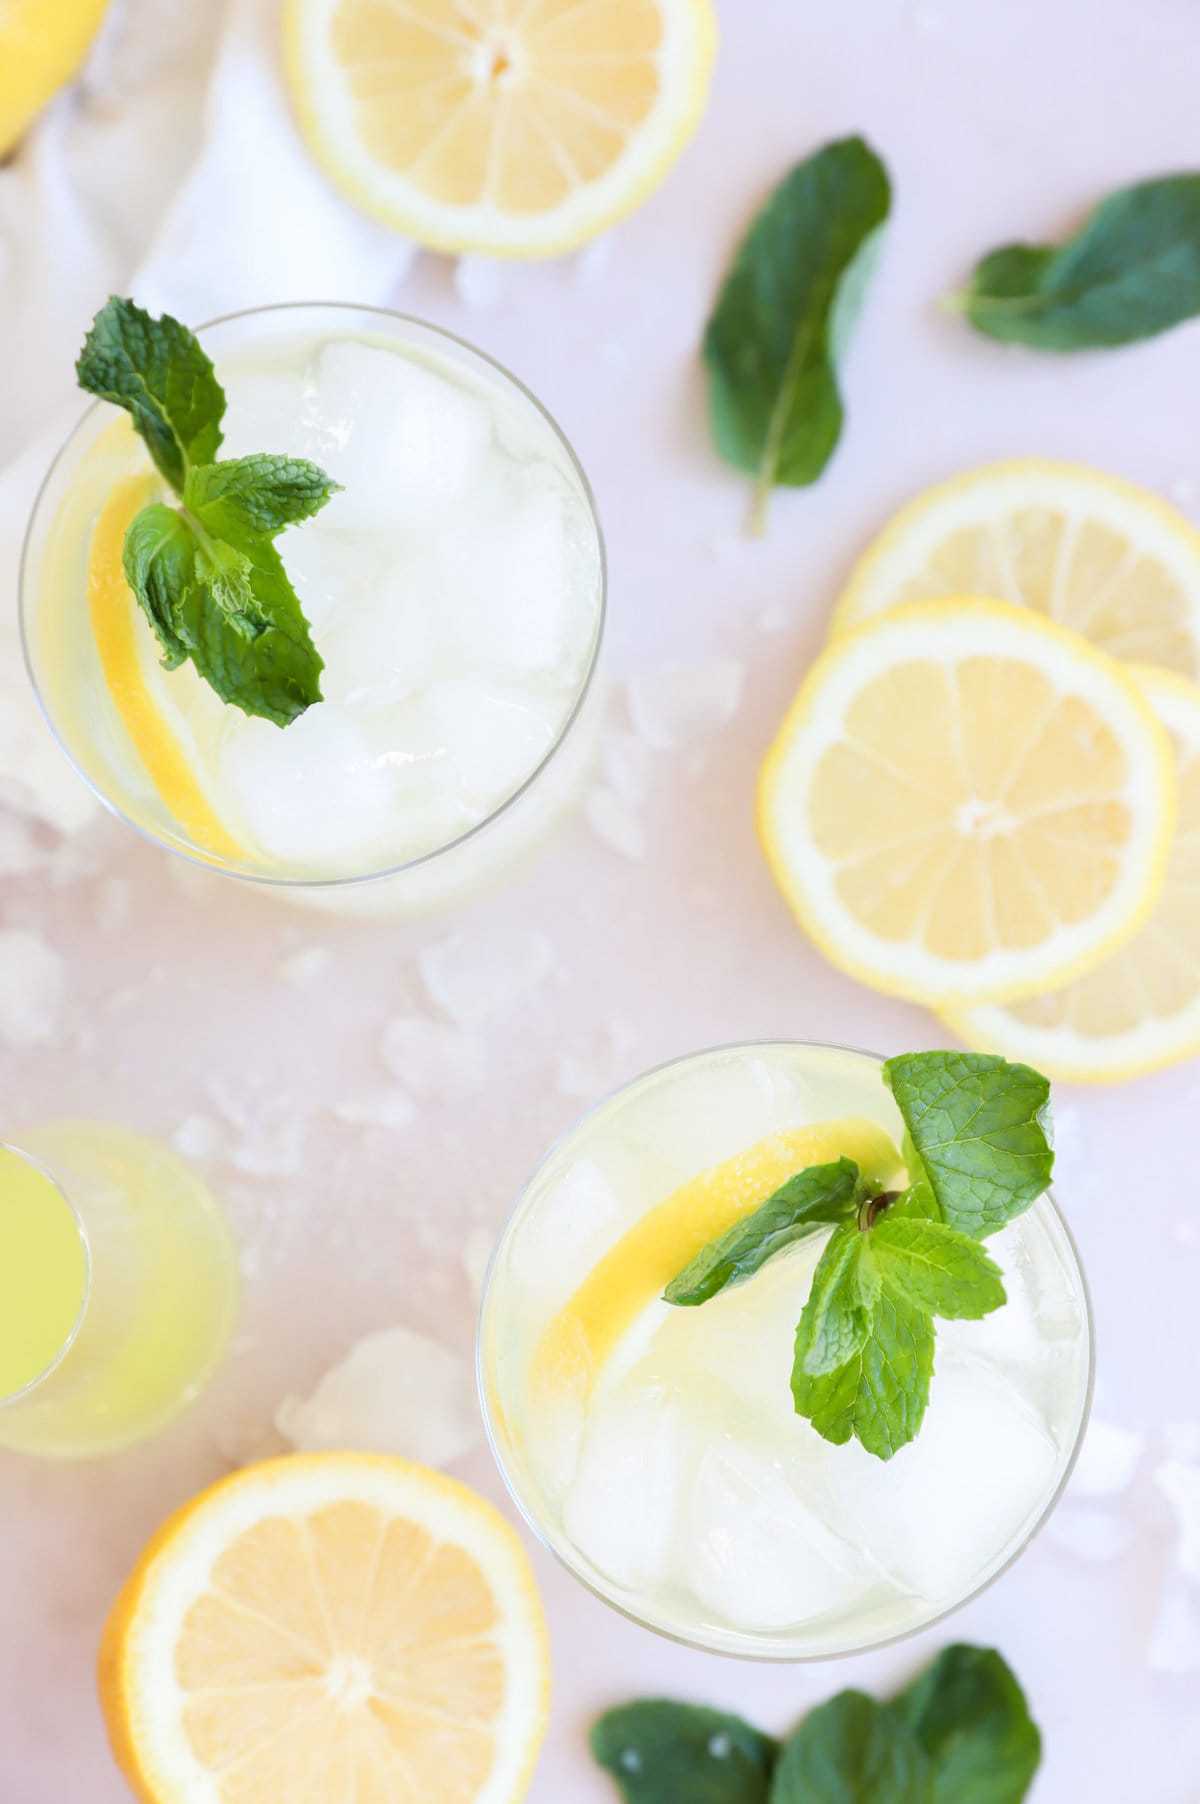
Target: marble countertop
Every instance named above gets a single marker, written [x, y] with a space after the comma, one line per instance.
[200, 1011]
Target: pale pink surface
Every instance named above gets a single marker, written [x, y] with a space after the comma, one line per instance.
[996, 122]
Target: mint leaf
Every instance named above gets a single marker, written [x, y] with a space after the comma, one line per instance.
[880, 1394]
[1131, 271]
[160, 563]
[263, 662]
[781, 323]
[661, 1752]
[917, 1203]
[970, 1715]
[940, 1270]
[257, 494]
[836, 1320]
[818, 1195]
[852, 1751]
[981, 1128]
[156, 370]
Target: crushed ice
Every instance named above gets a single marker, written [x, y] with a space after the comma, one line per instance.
[1174, 1645]
[1088, 1533]
[33, 986]
[431, 1058]
[1179, 1482]
[395, 1392]
[615, 822]
[385, 1106]
[597, 1069]
[476, 974]
[671, 705]
[301, 967]
[1107, 1461]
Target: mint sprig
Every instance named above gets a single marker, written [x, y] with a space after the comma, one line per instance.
[960, 1734]
[207, 574]
[977, 1143]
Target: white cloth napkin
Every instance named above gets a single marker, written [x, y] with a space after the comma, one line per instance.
[173, 171]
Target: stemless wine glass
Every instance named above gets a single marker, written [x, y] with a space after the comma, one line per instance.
[454, 587]
[118, 1289]
[657, 1451]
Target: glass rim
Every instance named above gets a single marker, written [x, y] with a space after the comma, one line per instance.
[26, 610]
[11, 1398]
[760, 1655]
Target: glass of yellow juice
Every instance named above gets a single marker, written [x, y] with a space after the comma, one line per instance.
[118, 1289]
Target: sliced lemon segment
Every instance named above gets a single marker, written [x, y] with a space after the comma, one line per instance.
[41, 48]
[1109, 560]
[112, 608]
[968, 803]
[1140, 1009]
[517, 127]
[585, 1332]
[333, 1627]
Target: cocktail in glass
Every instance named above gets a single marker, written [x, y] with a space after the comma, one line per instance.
[656, 1450]
[118, 1289]
[454, 587]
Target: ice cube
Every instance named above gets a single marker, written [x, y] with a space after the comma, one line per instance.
[482, 283]
[311, 794]
[626, 764]
[272, 411]
[407, 440]
[569, 1223]
[672, 705]
[386, 647]
[980, 1472]
[1179, 1482]
[395, 1392]
[624, 1510]
[431, 1058]
[594, 1071]
[1107, 1460]
[1174, 1645]
[33, 987]
[518, 582]
[303, 966]
[615, 822]
[330, 572]
[493, 735]
[200, 1137]
[476, 1255]
[754, 1553]
[706, 1113]
[477, 974]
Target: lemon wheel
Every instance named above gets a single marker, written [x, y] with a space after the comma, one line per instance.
[968, 803]
[331, 1627]
[521, 128]
[1140, 1009]
[1110, 560]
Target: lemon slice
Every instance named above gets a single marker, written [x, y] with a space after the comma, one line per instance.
[1113, 562]
[41, 48]
[585, 1332]
[113, 610]
[1140, 1009]
[517, 127]
[968, 803]
[332, 1629]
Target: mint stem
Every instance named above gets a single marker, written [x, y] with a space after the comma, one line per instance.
[871, 1210]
